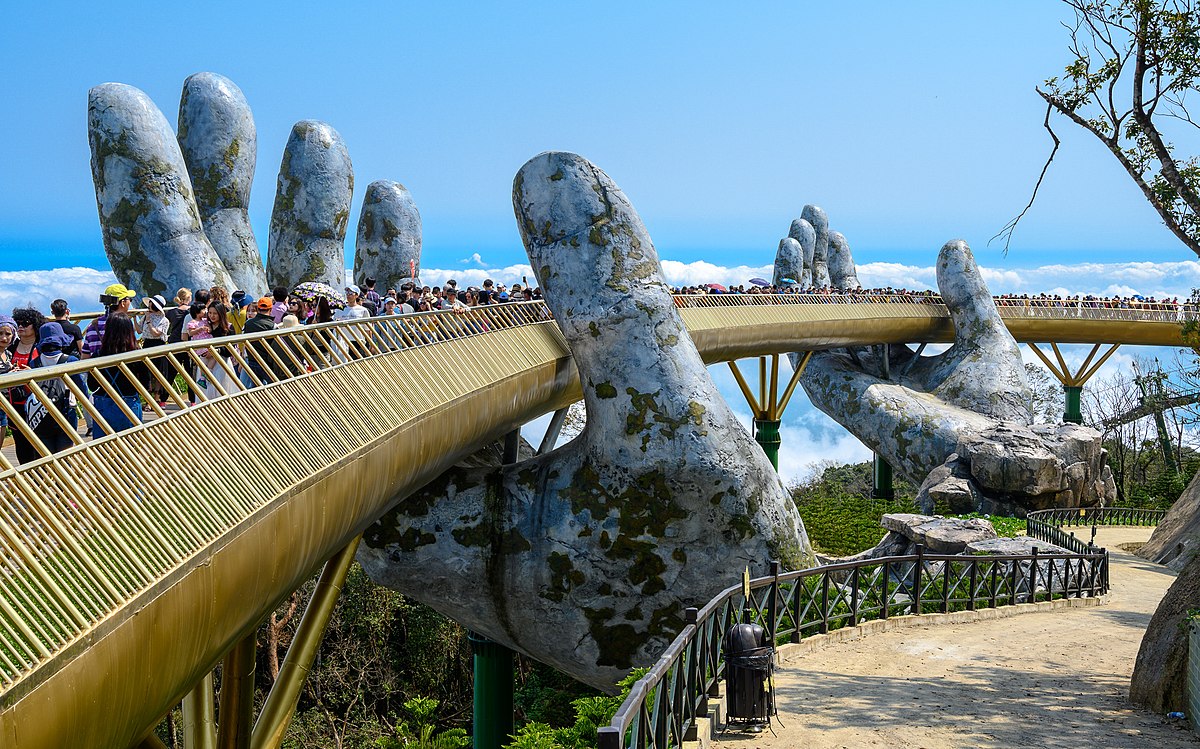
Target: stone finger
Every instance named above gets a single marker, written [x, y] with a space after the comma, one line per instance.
[220, 146]
[153, 234]
[312, 208]
[842, 273]
[803, 232]
[820, 224]
[388, 244]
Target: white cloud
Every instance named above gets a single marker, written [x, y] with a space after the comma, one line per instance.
[81, 287]
[475, 259]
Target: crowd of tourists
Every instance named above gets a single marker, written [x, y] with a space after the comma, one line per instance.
[29, 339]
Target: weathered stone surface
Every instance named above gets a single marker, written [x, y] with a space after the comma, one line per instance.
[789, 261]
[1015, 546]
[802, 232]
[938, 534]
[971, 402]
[587, 556]
[1159, 681]
[820, 257]
[1176, 540]
[388, 245]
[949, 485]
[842, 273]
[152, 231]
[220, 147]
[312, 208]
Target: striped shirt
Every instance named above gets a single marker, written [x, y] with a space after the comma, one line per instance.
[93, 335]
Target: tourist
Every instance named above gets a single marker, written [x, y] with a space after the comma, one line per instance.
[354, 311]
[155, 330]
[239, 303]
[279, 306]
[53, 344]
[8, 334]
[261, 323]
[389, 306]
[214, 356]
[22, 352]
[371, 296]
[119, 338]
[116, 298]
[62, 313]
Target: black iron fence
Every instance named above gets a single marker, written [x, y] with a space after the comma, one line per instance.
[662, 707]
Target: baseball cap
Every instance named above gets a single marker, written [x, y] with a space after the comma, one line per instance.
[354, 288]
[119, 291]
[266, 303]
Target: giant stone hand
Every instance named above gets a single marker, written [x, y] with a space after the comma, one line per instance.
[174, 208]
[959, 423]
[587, 556]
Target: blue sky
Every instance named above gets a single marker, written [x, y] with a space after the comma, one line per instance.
[911, 123]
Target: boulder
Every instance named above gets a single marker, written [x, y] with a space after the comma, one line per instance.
[1159, 681]
[938, 534]
[1177, 538]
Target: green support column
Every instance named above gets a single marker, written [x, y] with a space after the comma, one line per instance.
[766, 433]
[882, 479]
[1074, 413]
[492, 720]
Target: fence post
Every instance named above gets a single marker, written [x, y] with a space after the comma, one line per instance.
[825, 602]
[854, 597]
[887, 575]
[773, 603]
[608, 738]
[995, 582]
[974, 583]
[920, 565]
[697, 672]
[1033, 576]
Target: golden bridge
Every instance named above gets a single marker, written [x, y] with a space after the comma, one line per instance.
[132, 565]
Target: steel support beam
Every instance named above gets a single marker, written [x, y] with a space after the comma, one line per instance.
[198, 728]
[881, 476]
[237, 695]
[280, 705]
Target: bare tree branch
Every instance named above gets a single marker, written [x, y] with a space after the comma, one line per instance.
[1011, 226]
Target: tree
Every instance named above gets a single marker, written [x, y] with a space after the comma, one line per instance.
[1133, 65]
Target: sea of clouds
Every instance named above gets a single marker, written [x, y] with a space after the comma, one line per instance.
[808, 435]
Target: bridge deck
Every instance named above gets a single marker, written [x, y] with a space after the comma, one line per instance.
[1029, 680]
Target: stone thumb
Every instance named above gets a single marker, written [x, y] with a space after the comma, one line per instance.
[972, 309]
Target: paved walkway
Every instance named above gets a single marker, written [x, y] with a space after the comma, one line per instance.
[1053, 679]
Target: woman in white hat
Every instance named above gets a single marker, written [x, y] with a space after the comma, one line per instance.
[154, 328]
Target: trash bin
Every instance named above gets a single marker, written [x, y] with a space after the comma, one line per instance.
[748, 668]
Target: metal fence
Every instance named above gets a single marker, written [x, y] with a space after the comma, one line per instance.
[662, 707]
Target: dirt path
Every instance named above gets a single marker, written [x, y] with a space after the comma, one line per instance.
[1053, 679]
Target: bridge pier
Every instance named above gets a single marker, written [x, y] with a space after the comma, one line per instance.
[492, 717]
[881, 479]
[767, 409]
[1073, 382]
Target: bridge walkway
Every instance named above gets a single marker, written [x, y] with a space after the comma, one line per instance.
[1052, 679]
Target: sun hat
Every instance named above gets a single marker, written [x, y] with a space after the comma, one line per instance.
[157, 302]
[266, 303]
[289, 321]
[119, 291]
[52, 334]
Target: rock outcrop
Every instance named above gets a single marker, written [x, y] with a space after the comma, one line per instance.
[152, 229]
[587, 556]
[959, 423]
[312, 208]
[1176, 540]
[220, 146]
[1159, 681]
[388, 244]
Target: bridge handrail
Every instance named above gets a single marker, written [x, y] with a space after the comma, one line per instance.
[66, 566]
[662, 707]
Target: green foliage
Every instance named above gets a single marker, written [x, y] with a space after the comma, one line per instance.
[839, 514]
[1005, 527]
[545, 695]
[590, 714]
[420, 734]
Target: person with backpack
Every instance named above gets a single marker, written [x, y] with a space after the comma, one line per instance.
[53, 347]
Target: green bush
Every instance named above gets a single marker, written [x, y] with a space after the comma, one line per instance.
[590, 714]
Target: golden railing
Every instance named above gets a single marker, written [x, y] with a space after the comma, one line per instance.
[101, 533]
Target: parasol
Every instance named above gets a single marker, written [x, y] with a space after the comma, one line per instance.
[310, 290]
[760, 282]
[788, 281]
[718, 287]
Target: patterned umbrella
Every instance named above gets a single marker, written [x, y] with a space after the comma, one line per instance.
[310, 290]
